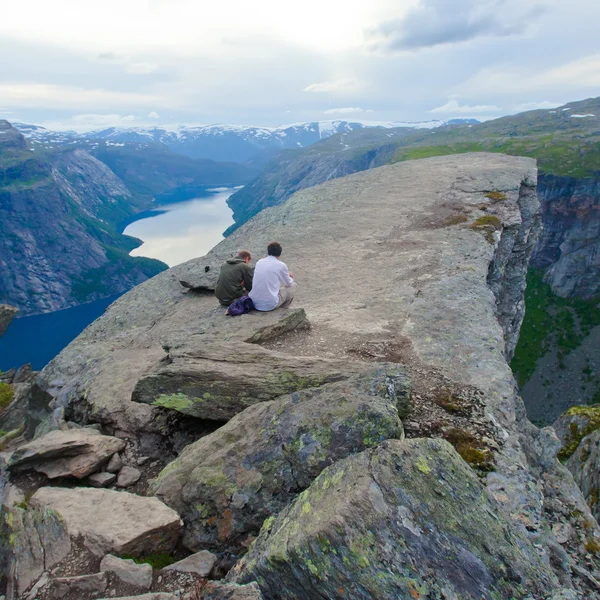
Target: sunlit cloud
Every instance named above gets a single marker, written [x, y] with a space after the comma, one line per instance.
[330, 87]
[452, 106]
[350, 110]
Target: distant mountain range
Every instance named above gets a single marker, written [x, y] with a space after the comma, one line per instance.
[231, 143]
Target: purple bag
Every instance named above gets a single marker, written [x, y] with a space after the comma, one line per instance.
[240, 306]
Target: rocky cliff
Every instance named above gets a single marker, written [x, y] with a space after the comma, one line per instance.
[60, 210]
[368, 443]
[569, 250]
[56, 247]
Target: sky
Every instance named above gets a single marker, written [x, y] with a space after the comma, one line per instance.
[86, 64]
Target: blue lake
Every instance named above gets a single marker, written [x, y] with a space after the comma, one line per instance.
[172, 232]
[38, 339]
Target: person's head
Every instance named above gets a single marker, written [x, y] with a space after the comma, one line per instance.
[274, 249]
[245, 255]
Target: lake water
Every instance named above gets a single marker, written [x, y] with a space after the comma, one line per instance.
[173, 233]
[178, 232]
[38, 339]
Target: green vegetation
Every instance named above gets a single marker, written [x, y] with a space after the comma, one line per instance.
[496, 196]
[550, 320]
[488, 225]
[454, 220]
[101, 281]
[472, 450]
[156, 561]
[6, 395]
[591, 414]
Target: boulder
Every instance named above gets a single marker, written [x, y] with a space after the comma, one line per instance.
[201, 563]
[215, 590]
[226, 484]
[408, 519]
[7, 313]
[112, 522]
[37, 540]
[101, 480]
[72, 453]
[152, 596]
[584, 465]
[127, 571]
[115, 464]
[573, 425]
[23, 374]
[83, 586]
[28, 409]
[128, 476]
[220, 379]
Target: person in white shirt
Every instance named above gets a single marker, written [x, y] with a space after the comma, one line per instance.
[273, 285]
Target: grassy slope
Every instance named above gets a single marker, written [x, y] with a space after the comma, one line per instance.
[550, 322]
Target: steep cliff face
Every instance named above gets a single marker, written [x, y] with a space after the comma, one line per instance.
[407, 336]
[57, 246]
[569, 249]
[60, 211]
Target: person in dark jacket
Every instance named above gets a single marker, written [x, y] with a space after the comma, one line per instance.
[235, 278]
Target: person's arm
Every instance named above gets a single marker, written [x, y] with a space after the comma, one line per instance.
[248, 276]
[285, 276]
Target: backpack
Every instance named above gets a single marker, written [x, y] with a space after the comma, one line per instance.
[240, 306]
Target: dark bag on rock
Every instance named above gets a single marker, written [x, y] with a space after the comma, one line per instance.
[240, 306]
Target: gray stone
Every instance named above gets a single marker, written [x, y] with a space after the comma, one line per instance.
[112, 522]
[127, 571]
[226, 484]
[28, 409]
[115, 464]
[584, 465]
[201, 563]
[568, 250]
[7, 313]
[74, 453]
[128, 476]
[23, 374]
[38, 540]
[406, 519]
[215, 590]
[152, 596]
[101, 480]
[94, 585]
[220, 379]
[142, 460]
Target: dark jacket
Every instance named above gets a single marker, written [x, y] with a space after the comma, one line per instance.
[235, 280]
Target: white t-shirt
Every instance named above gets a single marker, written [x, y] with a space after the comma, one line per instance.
[269, 275]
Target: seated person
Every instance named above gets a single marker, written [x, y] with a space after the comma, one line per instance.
[235, 278]
[273, 285]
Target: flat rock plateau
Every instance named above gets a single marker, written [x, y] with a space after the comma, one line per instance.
[368, 442]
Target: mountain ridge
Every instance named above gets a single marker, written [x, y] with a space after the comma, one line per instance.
[221, 142]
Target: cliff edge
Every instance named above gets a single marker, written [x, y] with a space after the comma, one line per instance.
[368, 442]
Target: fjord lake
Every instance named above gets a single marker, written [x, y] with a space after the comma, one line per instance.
[172, 232]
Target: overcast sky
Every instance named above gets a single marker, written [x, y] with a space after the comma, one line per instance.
[82, 64]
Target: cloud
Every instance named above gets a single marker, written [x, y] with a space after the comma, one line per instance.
[87, 122]
[30, 95]
[339, 85]
[141, 68]
[111, 56]
[579, 74]
[452, 106]
[350, 110]
[537, 105]
[436, 22]
[153, 115]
